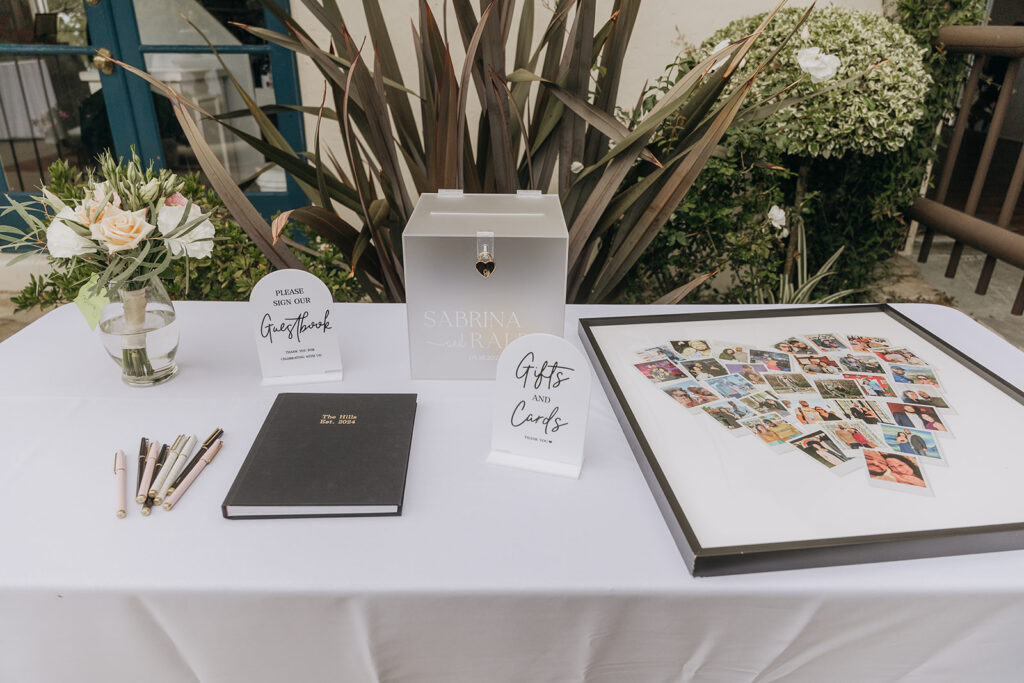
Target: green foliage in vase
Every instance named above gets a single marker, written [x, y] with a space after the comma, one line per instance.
[229, 275]
[855, 201]
[549, 122]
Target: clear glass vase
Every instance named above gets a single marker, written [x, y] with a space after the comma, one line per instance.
[140, 332]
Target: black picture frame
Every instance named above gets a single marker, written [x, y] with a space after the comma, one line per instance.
[798, 554]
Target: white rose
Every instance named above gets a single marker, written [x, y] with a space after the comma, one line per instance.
[819, 66]
[121, 230]
[197, 243]
[777, 217]
[61, 239]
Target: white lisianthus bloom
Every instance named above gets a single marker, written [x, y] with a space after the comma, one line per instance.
[150, 191]
[61, 239]
[197, 243]
[576, 166]
[819, 66]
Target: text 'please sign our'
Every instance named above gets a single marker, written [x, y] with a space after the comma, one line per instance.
[296, 335]
[542, 398]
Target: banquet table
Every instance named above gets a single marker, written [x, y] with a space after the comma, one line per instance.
[490, 573]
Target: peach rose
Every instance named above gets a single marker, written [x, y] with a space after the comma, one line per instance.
[121, 230]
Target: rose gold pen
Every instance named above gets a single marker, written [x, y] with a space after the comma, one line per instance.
[120, 481]
[205, 460]
[147, 474]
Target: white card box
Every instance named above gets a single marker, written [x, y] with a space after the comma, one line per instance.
[460, 321]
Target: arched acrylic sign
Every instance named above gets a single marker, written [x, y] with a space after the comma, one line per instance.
[296, 332]
[541, 402]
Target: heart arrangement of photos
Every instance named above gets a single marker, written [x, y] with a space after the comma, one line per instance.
[845, 402]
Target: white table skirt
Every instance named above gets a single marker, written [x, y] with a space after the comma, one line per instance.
[490, 574]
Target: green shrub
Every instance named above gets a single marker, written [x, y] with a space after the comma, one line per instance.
[235, 267]
[856, 200]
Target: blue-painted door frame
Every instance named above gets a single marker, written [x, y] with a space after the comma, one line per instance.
[132, 116]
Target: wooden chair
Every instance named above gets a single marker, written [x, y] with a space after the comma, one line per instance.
[997, 240]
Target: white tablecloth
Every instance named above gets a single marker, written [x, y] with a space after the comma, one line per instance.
[490, 574]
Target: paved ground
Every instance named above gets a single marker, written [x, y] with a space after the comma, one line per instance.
[12, 279]
[909, 281]
[913, 281]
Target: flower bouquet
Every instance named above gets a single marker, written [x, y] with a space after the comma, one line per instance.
[130, 224]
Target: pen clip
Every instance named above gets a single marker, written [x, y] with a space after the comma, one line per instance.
[212, 437]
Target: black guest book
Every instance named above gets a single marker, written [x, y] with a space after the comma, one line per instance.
[326, 455]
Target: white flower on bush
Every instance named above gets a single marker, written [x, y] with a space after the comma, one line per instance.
[121, 230]
[818, 65]
[198, 242]
[576, 166]
[777, 217]
[61, 239]
[721, 62]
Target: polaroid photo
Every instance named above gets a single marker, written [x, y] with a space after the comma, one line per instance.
[864, 410]
[729, 413]
[818, 365]
[873, 385]
[852, 435]
[789, 383]
[773, 361]
[764, 402]
[814, 411]
[827, 343]
[764, 432]
[794, 345]
[689, 393]
[647, 355]
[660, 370]
[900, 357]
[838, 388]
[730, 353]
[731, 386]
[910, 441]
[751, 373]
[863, 344]
[896, 471]
[668, 352]
[705, 369]
[824, 450]
[781, 426]
[692, 349]
[913, 374]
[918, 417]
[921, 395]
[863, 364]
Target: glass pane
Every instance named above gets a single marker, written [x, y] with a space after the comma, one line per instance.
[51, 106]
[43, 22]
[202, 79]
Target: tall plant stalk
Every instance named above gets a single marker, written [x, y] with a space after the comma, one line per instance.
[551, 122]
